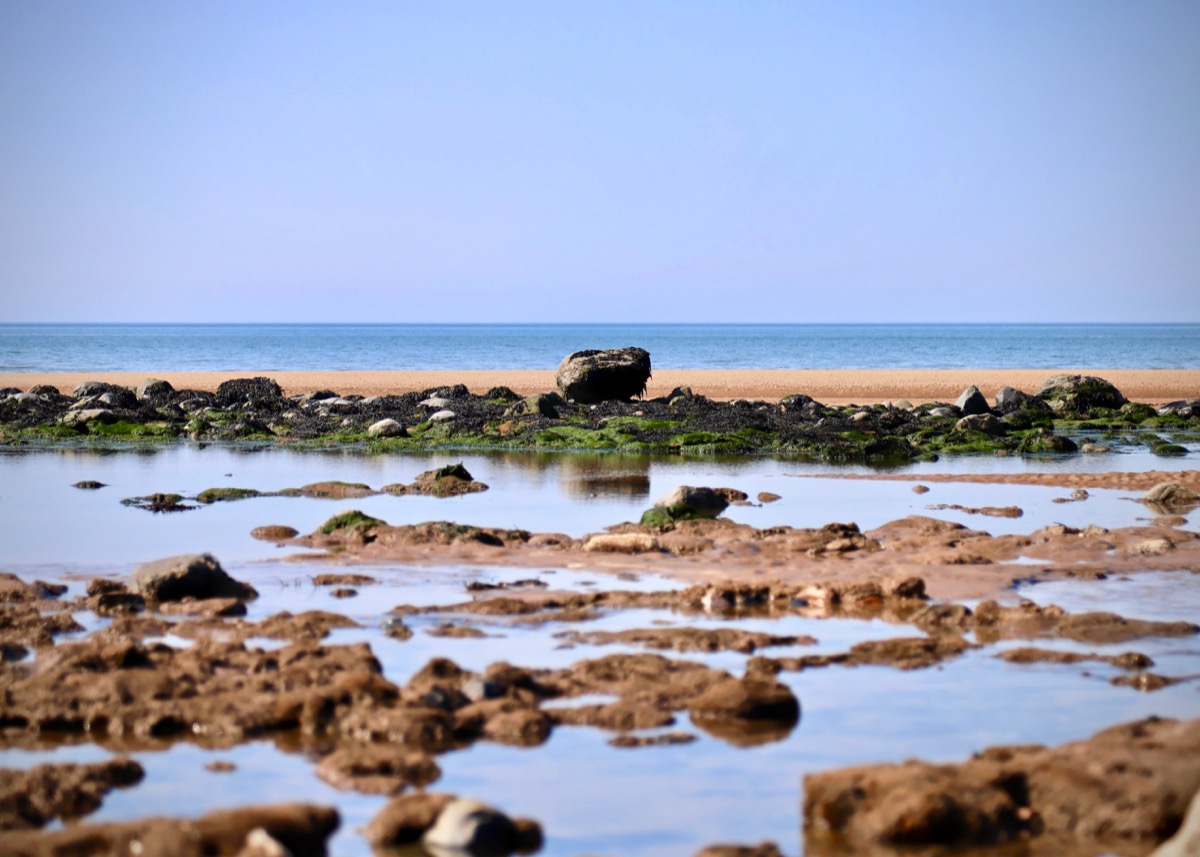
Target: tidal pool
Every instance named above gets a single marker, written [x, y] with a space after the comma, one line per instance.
[590, 797]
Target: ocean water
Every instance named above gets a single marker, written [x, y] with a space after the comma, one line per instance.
[282, 347]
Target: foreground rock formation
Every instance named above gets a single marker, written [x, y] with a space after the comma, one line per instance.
[1129, 783]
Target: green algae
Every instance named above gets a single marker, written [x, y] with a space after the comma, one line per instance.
[219, 495]
[348, 521]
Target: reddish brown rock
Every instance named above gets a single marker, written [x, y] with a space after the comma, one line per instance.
[1132, 782]
[32, 798]
[385, 769]
[301, 828]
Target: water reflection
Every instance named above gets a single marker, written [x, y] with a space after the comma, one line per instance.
[588, 476]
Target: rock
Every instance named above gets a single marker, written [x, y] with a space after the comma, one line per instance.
[299, 829]
[686, 502]
[593, 376]
[1045, 441]
[153, 389]
[247, 391]
[970, 401]
[1079, 393]
[1186, 841]
[1182, 408]
[75, 419]
[189, 575]
[88, 485]
[377, 768]
[1010, 401]
[93, 388]
[542, 405]
[746, 699]
[920, 489]
[1131, 782]
[806, 406]
[274, 533]
[466, 825]
[985, 423]
[1170, 495]
[622, 543]
[35, 797]
[435, 402]
[386, 428]
[763, 849]
[768, 497]
[405, 819]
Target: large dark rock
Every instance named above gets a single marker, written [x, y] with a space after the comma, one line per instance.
[971, 402]
[189, 575]
[1010, 400]
[247, 390]
[1079, 393]
[618, 374]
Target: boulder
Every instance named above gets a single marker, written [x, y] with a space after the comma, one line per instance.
[617, 374]
[247, 391]
[1171, 496]
[188, 575]
[798, 403]
[74, 419]
[1181, 408]
[153, 389]
[971, 401]
[1010, 400]
[386, 428]
[1079, 393]
[94, 388]
[686, 501]
[985, 423]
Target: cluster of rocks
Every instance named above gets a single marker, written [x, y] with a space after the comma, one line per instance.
[594, 413]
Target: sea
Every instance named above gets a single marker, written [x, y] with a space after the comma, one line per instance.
[282, 347]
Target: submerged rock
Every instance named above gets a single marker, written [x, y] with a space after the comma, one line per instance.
[593, 376]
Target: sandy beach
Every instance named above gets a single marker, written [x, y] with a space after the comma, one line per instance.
[833, 387]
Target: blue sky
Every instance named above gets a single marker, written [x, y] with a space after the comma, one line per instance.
[649, 161]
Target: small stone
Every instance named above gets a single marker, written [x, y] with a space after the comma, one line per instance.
[768, 497]
[274, 533]
[920, 489]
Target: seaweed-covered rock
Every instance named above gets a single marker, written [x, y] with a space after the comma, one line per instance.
[247, 390]
[1079, 393]
[155, 390]
[594, 376]
[1010, 400]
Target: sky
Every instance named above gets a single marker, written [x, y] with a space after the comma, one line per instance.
[600, 162]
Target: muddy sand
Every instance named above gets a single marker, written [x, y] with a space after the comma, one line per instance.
[832, 387]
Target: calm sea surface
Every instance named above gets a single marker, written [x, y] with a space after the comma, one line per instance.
[281, 347]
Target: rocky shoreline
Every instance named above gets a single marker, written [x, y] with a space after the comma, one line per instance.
[235, 674]
[1069, 413]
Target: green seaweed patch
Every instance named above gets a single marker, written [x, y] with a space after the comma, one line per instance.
[1040, 440]
[219, 495]
[349, 521]
[127, 429]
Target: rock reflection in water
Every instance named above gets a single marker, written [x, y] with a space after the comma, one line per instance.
[605, 475]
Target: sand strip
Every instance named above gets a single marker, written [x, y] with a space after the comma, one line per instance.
[832, 386]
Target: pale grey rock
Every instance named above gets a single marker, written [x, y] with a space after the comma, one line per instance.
[985, 423]
[701, 501]
[73, 419]
[386, 428]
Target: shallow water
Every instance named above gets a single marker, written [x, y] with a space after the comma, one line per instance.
[590, 797]
[569, 493]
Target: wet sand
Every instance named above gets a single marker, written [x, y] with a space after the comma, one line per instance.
[832, 387]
